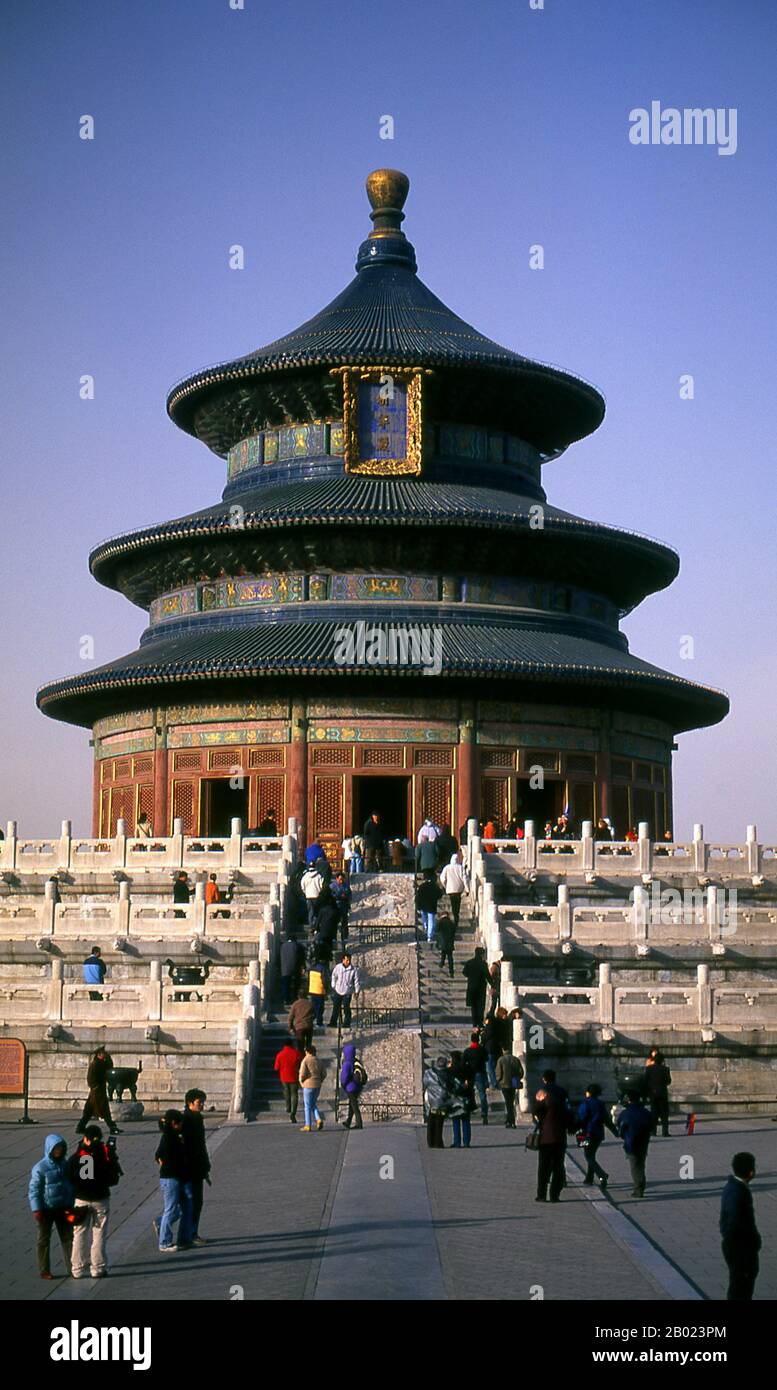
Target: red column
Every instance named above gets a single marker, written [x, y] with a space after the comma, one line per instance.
[159, 819]
[297, 768]
[96, 793]
[468, 775]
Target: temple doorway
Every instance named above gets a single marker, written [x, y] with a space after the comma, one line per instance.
[390, 797]
[220, 802]
[539, 804]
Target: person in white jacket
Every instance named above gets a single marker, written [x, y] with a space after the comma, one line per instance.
[312, 885]
[454, 880]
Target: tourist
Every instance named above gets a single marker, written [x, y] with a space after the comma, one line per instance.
[213, 895]
[357, 855]
[593, 1118]
[93, 1170]
[497, 1033]
[658, 1079]
[436, 1084]
[509, 1079]
[635, 1126]
[372, 835]
[461, 1103]
[312, 885]
[551, 1114]
[454, 881]
[447, 845]
[397, 856]
[490, 831]
[197, 1158]
[311, 1078]
[495, 984]
[445, 933]
[347, 848]
[287, 1064]
[427, 897]
[428, 833]
[427, 856]
[292, 960]
[345, 984]
[353, 1077]
[97, 1106]
[181, 892]
[301, 1019]
[341, 898]
[318, 988]
[174, 1185]
[50, 1194]
[741, 1240]
[268, 827]
[94, 972]
[478, 979]
[143, 829]
[474, 1063]
[314, 851]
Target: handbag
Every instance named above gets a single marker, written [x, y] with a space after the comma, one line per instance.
[533, 1138]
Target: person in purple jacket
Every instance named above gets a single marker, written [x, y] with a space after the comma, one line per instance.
[352, 1079]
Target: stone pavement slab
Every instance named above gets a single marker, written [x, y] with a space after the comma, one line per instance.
[380, 1242]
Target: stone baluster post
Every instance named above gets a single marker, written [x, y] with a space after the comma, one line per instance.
[564, 913]
[530, 846]
[712, 912]
[200, 912]
[11, 841]
[155, 992]
[235, 852]
[640, 912]
[644, 848]
[49, 912]
[473, 833]
[176, 844]
[124, 907]
[606, 995]
[56, 990]
[292, 826]
[588, 847]
[520, 1051]
[753, 851]
[704, 991]
[120, 845]
[699, 850]
[64, 845]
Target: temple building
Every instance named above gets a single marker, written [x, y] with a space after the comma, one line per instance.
[383, 611]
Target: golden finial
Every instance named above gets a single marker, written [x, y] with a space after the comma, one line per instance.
[387, 190]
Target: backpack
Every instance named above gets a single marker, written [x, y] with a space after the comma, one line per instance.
[360, 1073]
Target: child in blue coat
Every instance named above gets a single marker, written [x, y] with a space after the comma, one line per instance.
[51, 1195]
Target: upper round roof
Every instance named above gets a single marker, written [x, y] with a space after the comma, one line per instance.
[385, 316]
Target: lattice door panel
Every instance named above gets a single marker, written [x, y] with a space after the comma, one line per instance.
[436, 799]
[494, 800]
[146, 803]
[328, 799]
[184, 805]
[123, 808]
[270, 797]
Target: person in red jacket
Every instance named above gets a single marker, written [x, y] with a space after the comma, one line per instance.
[287, 1065]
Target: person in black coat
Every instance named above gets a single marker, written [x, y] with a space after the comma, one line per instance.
[197, 1159]
[658, 1079]
[475, 972]
[739, 1233]
[635, 1127]
[374, 841]
[551, 1114]
[446, 936]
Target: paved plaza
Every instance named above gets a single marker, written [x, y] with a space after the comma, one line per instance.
[376, 1215]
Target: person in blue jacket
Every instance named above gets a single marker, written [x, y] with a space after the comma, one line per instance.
[51, 1195]
[94, 971]
[636, 1127]
[593, 1119]
[352, 1080]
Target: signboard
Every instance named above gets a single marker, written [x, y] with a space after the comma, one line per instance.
[13, 1067]
[382, 420]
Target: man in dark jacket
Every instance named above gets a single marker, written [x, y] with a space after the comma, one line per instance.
[427, 897]
[93, 1170]
[373, 837]
[427, 856]
[437, 1094]
[635, 1127]
[196, 1151]
[473, 1061]
[182, 892]
[446, 935]
[475, 972]
[551, 1113]
[290, 969]
[658, 1079]
[741, 1241]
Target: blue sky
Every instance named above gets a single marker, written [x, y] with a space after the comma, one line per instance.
[258, 127]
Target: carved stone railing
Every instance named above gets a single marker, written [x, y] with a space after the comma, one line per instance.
[66, 853]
